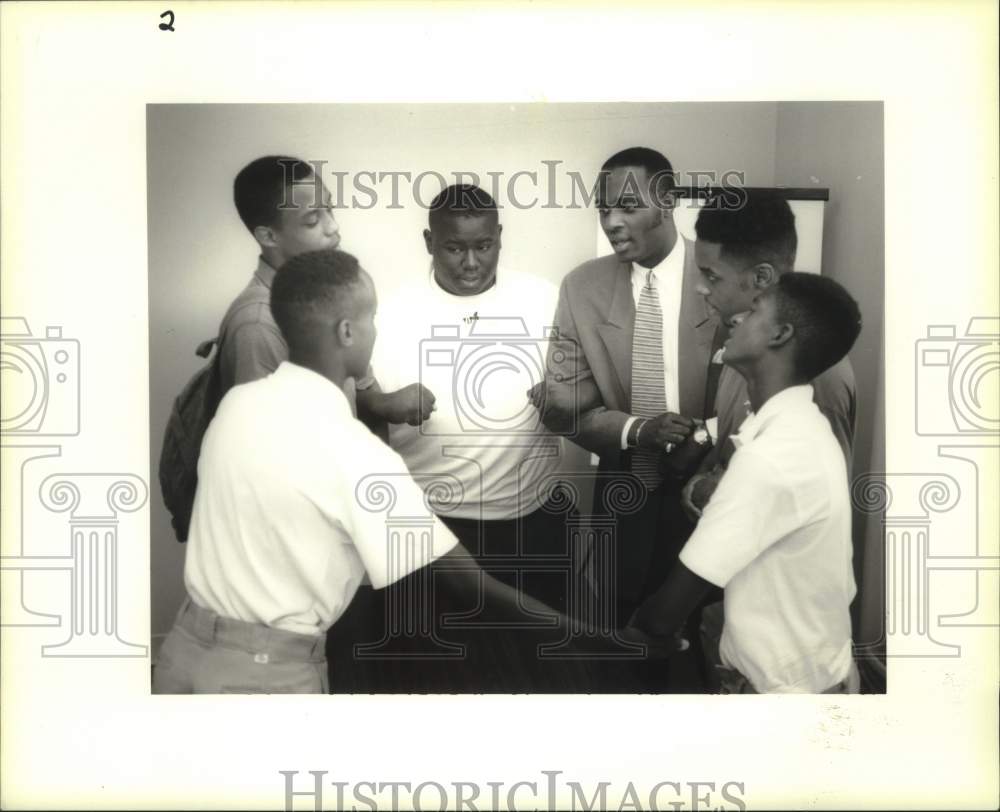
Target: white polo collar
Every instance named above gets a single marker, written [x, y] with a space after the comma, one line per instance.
[790, 399]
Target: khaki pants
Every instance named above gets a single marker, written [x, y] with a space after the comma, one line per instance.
[205, 653]
[726, 680]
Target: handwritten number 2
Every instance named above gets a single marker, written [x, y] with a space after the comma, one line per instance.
[169, 24]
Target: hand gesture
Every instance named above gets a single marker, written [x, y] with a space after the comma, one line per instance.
[698, 491]
[412, 404]
[536, 396]
[669, 428]
[656, 647]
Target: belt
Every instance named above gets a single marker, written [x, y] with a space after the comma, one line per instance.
[265, 643]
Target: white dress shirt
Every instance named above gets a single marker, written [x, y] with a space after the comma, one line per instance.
[284, 530]
[479, 355]
[776, 535]
[668, 281]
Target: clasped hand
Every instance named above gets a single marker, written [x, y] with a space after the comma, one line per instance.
[698, 491]
[412, 404]
[536, 396]
[656, 647]
[668, 427]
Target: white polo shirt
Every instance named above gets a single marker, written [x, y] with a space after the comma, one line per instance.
[479, 356]
[777, 536]
[284, 530]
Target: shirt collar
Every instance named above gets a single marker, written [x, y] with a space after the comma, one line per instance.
[314, 388]
[790, 399]
[672, 264]
[264, 273]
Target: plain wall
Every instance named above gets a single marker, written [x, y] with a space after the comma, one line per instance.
[840, 145]
[201, 256]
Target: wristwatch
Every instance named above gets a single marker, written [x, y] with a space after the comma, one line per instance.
[701, 435]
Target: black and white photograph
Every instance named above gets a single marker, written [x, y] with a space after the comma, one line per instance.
[497, 406]
[537, 306]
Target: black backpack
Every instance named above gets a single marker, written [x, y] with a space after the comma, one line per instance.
[193, 410]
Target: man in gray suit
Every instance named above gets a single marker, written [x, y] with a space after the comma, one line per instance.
[629, 368]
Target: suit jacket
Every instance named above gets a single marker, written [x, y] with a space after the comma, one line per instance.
[589, 377]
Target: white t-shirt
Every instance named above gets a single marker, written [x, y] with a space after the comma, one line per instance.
[289, 516]
[479, 356]
[777, 536]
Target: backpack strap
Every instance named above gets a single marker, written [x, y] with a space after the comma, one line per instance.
[205, 348]
[214, 394]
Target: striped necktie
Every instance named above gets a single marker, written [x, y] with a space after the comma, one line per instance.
[648, 395]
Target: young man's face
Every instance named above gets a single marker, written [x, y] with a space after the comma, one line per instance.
[307, 227]
[465, 251]
[726, 285]
[750, 338]
[631, 216]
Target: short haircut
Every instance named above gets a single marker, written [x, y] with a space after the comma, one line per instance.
[260, 186]
[314, 287]
[825, 317]
[760, 230]
[460, 200]
[655, 163]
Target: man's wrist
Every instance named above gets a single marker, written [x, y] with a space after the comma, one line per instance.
[701, 435]
[643, 622]
[380, 404]
[626, 430]
[648, 625]
[394, 407]
[635, 432]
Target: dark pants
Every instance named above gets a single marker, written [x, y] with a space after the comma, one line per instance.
[531, 554]
[508, 660]
[647, 542]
